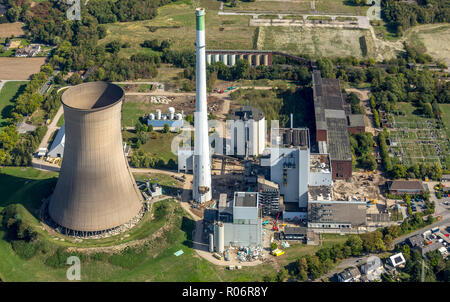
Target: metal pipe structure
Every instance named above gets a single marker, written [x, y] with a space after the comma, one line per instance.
[96, 190]
[202, 160]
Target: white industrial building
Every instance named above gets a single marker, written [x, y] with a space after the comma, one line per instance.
[172, 119]
[57, 147]
[246, 132]
[246, 228]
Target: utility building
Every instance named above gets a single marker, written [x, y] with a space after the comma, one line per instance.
[57, 147]
[340, 215]
[245, 230]
[246, 132]
[331, 125]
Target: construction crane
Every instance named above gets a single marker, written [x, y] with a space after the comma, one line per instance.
[275, 227]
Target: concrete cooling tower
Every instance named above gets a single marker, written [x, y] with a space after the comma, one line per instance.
[96, 190]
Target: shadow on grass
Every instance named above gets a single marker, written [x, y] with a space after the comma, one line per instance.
[188, 226]
[25, 191]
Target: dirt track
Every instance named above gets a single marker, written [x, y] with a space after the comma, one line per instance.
[19, 68]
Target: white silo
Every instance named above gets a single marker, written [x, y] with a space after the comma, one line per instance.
[179, 116]
[171, 113]
[151, 116]
[158, 114]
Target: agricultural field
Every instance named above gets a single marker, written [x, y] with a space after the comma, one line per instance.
[331, 42]
[7, 95]
[416, 139]
[176, 22]
[434, 37]
[20, 68]
[11, 29]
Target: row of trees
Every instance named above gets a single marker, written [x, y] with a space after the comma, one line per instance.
[141, 159]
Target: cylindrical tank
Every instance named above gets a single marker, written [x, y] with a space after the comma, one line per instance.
[219, 235]
[233, 60]
[225, 59]
[266, 60]
[96, 190]
[171, 113]
[179, 116]
[158, 114]
[151, 116]
[211, 242]
[216, 58]
[208, 59]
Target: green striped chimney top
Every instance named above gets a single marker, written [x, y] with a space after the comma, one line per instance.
[200, 13]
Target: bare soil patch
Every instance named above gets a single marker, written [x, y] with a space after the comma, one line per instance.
[19, 68]
[11, 29]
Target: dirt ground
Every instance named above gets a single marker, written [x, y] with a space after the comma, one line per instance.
[179, 102]
[363, 185]
[11, 29]
[19, 68]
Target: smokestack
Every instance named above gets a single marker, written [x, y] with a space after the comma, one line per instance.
[202, 159]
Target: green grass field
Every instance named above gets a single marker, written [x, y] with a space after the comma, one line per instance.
[445, 108]
[159, 144]
[9, 91]
[132, 111]
[176, 22]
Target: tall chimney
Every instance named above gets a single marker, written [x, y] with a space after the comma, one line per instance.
[202, 160]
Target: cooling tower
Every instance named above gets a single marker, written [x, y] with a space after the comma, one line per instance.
[96, 190]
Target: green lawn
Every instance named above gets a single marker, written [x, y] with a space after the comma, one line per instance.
[159, 144]
[132, 111]
[445, 108]
[60, 121]
[7, 94]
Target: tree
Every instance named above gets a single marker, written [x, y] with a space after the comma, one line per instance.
[166, 128]
[356, 244]
[8, 137]
[282, 275]
[113, 46]
[398, 171]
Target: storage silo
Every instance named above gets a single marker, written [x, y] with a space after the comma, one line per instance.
[96, 190]
[158, 114]
[211, 242]
[219, 236]
[171, 113]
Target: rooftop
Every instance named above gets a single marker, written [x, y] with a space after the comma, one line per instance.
[338, 139]
[296, 230]
[406, 185]
[320, 193]
[245, 199]
[247, 112]
[319, 163]
[356, 120]
[293, 137]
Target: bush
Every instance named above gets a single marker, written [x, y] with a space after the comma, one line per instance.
[128, 258]
[23, 249]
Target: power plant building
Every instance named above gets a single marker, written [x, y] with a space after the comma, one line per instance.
[246, 132]
[336, 215]
[245, 230]
[95, 191]
[331, 125]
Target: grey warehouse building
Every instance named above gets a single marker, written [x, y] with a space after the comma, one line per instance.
[336, 214]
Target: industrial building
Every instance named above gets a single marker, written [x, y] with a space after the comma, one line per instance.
[329, 214]
[356, 123]
[57, 147]
[96, 191]
[239, 222]
[289, 165]
[246, 132]
[172, 119]
[406, 187]
[331, 125]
